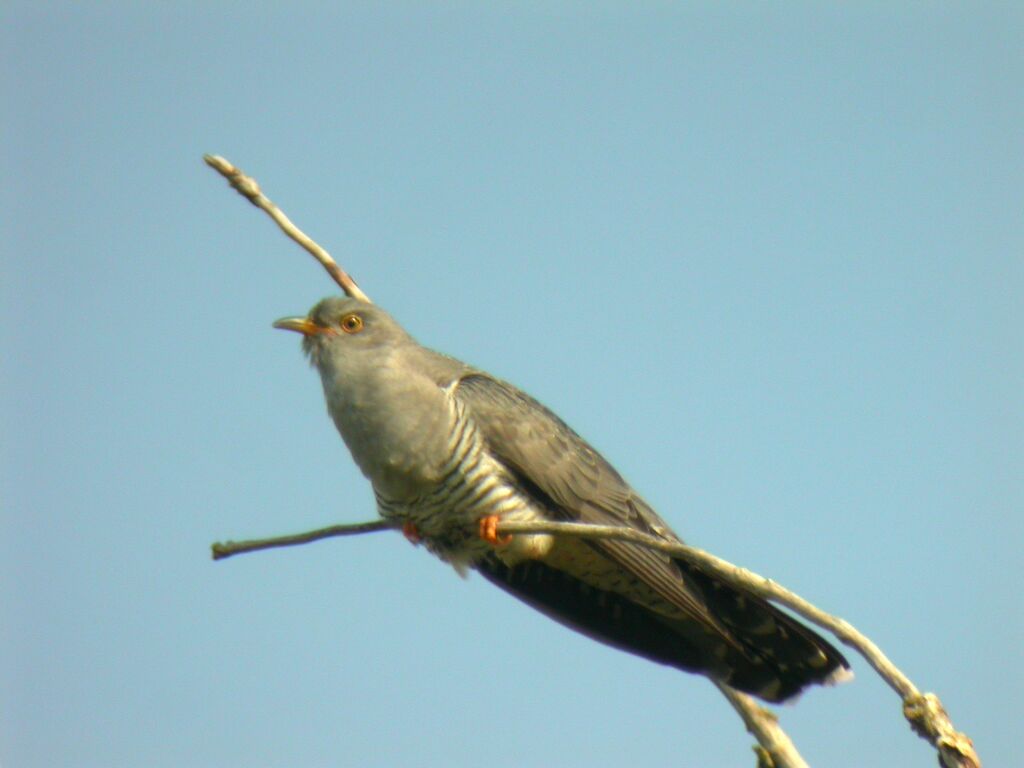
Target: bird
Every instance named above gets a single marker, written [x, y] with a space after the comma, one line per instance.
[451, 452]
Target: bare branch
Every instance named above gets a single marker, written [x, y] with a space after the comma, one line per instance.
[250, 190]
[930, 721]
[925, 712]
[776, 749]
[221, 550]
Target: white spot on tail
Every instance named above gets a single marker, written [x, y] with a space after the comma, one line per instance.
[838, 676]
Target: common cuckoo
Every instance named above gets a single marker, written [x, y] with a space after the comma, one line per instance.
[451, 450]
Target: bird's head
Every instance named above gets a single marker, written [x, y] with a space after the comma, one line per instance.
[343, 333]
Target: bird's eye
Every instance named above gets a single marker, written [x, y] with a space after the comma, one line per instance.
[351, 323]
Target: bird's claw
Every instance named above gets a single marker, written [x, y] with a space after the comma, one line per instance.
[411, 533]
[489, 531]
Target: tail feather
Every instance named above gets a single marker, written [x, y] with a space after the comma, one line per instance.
[760, 650]
[778, 656]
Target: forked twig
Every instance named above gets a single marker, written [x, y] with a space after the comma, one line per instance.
[924, 711]
[775, 749]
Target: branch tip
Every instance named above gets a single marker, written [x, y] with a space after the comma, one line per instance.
[924, 712]
[222, 550]
[247, 186]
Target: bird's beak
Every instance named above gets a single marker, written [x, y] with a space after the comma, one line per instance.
[302, 325]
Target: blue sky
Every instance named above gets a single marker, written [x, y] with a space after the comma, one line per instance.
[767, 259]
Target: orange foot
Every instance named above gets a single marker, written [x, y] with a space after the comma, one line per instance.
[410, 532]
[489, 531]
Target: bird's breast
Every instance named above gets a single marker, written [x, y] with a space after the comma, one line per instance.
[470, 484]
[397, 432]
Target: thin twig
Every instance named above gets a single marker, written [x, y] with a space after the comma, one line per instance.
[222, 550]
[775, 749]
[250, 190]
[925, 712]
[775, 746]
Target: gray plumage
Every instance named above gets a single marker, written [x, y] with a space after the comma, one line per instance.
[445, 445]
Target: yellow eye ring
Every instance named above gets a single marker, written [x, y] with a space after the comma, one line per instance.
[351, 323]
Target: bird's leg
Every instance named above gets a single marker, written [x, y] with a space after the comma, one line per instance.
[489, 531]
[410, 532]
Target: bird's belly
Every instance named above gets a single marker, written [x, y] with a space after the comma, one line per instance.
[447, 517]
[470, 485]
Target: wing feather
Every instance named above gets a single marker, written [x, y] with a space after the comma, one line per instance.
[577, 484]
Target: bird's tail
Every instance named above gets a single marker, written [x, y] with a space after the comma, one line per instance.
[772, 656]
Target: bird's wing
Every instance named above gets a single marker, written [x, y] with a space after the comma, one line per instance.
[573, 481]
